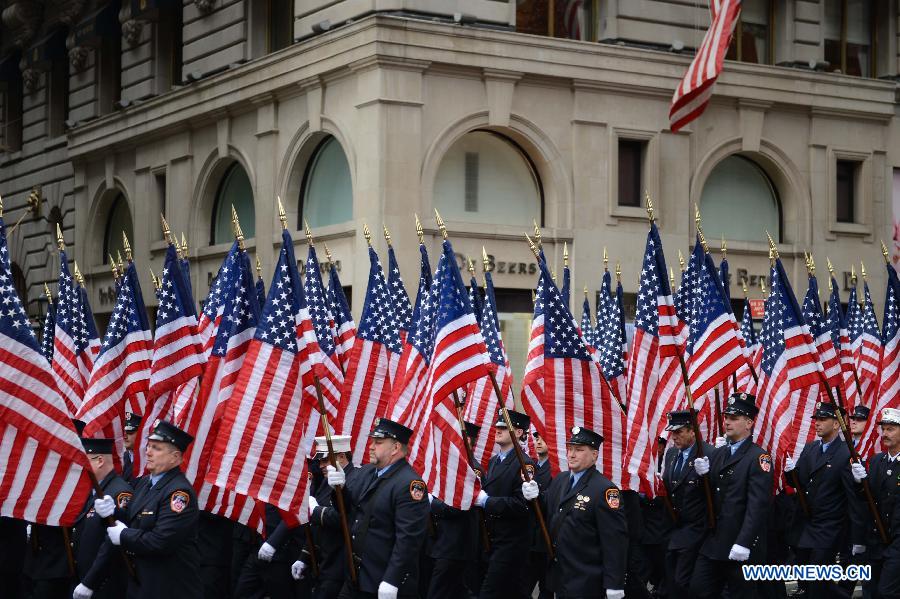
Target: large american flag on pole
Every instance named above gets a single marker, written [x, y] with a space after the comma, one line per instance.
[459, 357]
[367, 384]
[587, 327]
[867, 349]
[400, 301]
[344, 327]
[693, 93]
[269, 424]
[122, 369]
[331, 375]
[609, 339]
[43, 473]
[48, 330]
[73, 360]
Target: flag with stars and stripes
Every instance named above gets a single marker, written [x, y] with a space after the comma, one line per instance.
[566, 290]
[407, 405]
[47, 332]
[836, 322]
[587, 327]
[790, 363]
[570, 379]
[867, 349]
[400, 300]
[73, 359]
[475, 298]
[459, 357]
[889, 380]
[269, 423]
[229, 349]
[329, 371]
[345, 328]
[44, 476]
[609, 340]
[122, 370]
[260, 291]
[185, 266]
[652, 366]
[367, 384]
[481, 399]
[746, 382]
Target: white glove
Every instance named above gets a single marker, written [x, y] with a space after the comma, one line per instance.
[297, 569]
[858, 471]
[82, 592]
[313, 504]
[721, 442]
[857, 549]
[266, 552]
[336, 476]
[28, 532]
[530, 490]
[738, 553]
[482, 498]
[104, 506]
[115, 532]
[789, 464]
[387, 591]
[430, 498]
[610, 594]
[701, 465]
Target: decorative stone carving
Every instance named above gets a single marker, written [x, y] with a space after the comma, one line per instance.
[205, 5]
[23, 20]
[30, 79]
[78, 57]
[131, 31]
[69, 10]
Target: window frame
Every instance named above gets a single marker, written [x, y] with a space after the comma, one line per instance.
[650, 172]
[863, 193]
[738, 37]
[873, 47]
[217, 197]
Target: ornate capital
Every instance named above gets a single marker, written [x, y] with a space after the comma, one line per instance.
[78, 57]
[205, 5]
[23, 19]
[69, 10]
[30, 79]
[131, 31]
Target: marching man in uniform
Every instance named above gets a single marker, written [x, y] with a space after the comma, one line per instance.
[740, 474]
[587, 524]
[390, 510]
[162, 518]
[132, 424]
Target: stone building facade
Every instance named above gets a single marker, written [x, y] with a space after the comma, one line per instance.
[496, 112]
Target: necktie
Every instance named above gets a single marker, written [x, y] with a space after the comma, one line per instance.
[574, 480]
[678, 465]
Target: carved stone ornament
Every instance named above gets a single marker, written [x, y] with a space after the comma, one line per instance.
[69, 10]
[78, 57]
[131, 31]
[205, 5]
[23, 20]
[30, 79]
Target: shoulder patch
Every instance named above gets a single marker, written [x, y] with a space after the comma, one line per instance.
[123, 498]
[765, 462]
[417, 490]
[178, 501]
[612, 498]
[530, 470]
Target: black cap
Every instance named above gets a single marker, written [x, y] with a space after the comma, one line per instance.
[518, 419]
[98, 446]
[79, 425]
[860, 413]
[132, 422]
[585, 436]
[742, 404]
[472, 429]
[679, 419]
[388, 429]
[824, 410]
[169, 433]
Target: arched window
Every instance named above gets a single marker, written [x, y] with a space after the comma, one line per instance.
[326, 196]
[234, 190]
[739, 202]
[486, 178]
[118, 219]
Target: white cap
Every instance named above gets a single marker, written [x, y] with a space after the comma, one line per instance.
[890, 416]
[340, 443]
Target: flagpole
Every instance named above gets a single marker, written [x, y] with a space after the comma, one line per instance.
[474, 465]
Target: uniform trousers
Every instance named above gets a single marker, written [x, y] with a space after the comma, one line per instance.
[504, 580]
[679, 568]
[712, 576]
[447, 579]
[272, 577]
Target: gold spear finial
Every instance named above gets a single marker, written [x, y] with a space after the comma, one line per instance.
[367, 234]
[762, 287]
[1, 207]
[126, 246]
[697, 216]
[78, 278]
[808, 266]
[184, 246]
[387, 235]
[681, 260]
[862, 270]
[156, 282]
[236, 225]
[120, 263]
[649, 206]
[440, 223]
[724, 248]
[830, 266]
[309, 237]
[853, 275]
[60, 240]
[605, 260]
[671, 278]
[771, 255]
[485, 262]
[419, 231]
[702, 240]
[618, 272]
[772, 245]
[282, 215]
[566, 254]
[538, 240]
[327, 253]
[884, 252]
[553, 275]
[534, 249]
[585, 291]
[744, 286]
[47, 294]
[258, 268]
[812, 263]
[470, 266]
[167, 234]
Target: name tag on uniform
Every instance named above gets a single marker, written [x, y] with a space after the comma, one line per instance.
[146, 513]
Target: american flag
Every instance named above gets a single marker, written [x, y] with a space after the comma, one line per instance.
[407, 405]
[714, 350]
[345, 328]
[230, 345]
[400, 301]
[693, 93]
[47, 332]
[185, 265]
[566, 289]
[330, 372]
[789, 364]
[867, 349]
[569, 377]
[754, 350]
[459, 357]
[122, 369]
[44, 475]
[587, 327]
[609, 339]
[367, 385]
[73, 359]
[889, 382]
[475, 298]
[481, 400]
[269, 424]
[836, 323]
[652, 367]
[261, 291]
